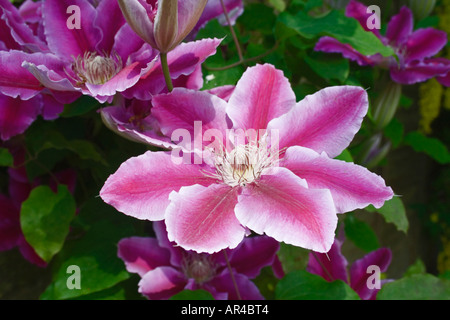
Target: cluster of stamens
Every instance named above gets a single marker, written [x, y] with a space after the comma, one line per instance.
[95, 69]
[245, 163]
[199, 267]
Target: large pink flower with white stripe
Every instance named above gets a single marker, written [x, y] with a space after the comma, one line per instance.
[292, 194]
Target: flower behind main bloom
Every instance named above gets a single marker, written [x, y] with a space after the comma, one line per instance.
[166, 269]
[414, 49]
[292, 195]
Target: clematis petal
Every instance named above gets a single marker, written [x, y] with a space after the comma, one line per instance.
[444, 80]
[325, 121]
[141, 186]
[225, 283]
[330, 266]
[194, 111]
[214, 9]
[253, 254]
[30, 254]
[16, 81]
[351, 186]
[117, 119]
[263, 93]
[359, 275]
[202, 218]
[138, 18]
[281, 206]
[20, 32]
[66, 42]
[177, 254]
[331, 45]
[419, 71]
[425, 43]
[162, 283]
[358, 11]
[142, 254]
[400, 27]
[109, 20]
[16, 115]
[10, 231]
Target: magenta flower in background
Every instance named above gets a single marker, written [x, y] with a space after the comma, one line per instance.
[291, 193]
[166, 269]
[22, 97]
[102, 58]
[333, 266]
[214, 10]
[414, 49]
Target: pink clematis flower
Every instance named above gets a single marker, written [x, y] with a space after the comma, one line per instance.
[292, 194]
[333, 266]
[414, 49]
[166, 269]
[22, 97]
[101, 58]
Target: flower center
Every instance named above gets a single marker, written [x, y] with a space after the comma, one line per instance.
[199, 267]
[245, 163]
[94, 69]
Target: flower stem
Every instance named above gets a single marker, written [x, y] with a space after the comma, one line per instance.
[238, 294]
[233, 34]
[165, 68]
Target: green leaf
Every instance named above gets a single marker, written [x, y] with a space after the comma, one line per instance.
[279, 5]
[360, 233]
[302, 285]
[81, 106]
[394, 212]
[416, 287]
[394, 131]
[45, 219]
[417, 268]
[345, 156]
[258, 17]
[6, 158]
[51, 138]
[95, 253]
[193, 295]
[338, 26]
[431, 146]
[328, 66]
[292, 257]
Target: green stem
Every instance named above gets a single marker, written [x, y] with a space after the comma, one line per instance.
[165, 67]
[233, 34]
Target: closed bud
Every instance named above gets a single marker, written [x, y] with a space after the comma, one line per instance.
[386, 104]
[421, 8]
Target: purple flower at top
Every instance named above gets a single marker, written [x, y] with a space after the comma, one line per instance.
[414, 49]
[279, 179]
[101, 58]
[166, 269]
[333, 266]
